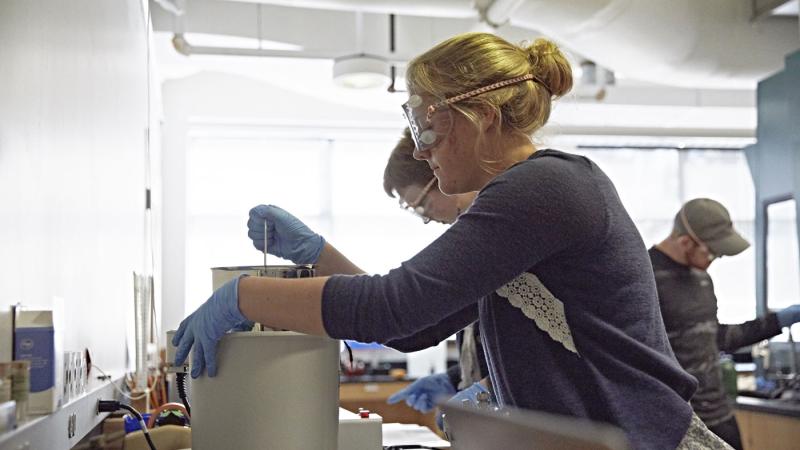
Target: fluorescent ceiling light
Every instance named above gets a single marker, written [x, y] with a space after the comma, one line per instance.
[361, 71]
[222, 40]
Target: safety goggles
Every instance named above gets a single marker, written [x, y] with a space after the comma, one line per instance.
[430, 122]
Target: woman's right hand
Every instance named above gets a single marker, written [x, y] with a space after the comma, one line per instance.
[287, 236]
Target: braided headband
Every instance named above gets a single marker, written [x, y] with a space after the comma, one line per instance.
[500, 84]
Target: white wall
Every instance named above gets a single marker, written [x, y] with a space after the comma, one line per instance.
[216, 105]
[73, 117]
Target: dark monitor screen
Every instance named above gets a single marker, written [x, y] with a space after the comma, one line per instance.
[470, 428]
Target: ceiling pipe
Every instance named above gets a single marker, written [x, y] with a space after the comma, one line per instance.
[499, 12]
[185, 48]
[462, 9]
[171, 6]
[495, 14]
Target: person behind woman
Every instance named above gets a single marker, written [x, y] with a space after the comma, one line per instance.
[546, 258]
[413, 182]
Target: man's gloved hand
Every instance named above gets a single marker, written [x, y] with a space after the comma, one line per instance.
[206, 326]
[424, 393]
[789, 316]
[470, 393]
[287, 236]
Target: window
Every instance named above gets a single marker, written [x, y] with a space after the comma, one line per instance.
[654, 183]
[334, 187]
[783, 265]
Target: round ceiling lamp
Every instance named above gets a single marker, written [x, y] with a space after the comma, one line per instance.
[361, 71]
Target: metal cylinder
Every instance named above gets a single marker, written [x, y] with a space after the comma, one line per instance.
[220, 275]
[273, 389]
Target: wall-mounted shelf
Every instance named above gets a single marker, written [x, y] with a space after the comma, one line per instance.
[64, 428]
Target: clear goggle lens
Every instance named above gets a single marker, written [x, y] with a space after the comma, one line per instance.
[427, 128]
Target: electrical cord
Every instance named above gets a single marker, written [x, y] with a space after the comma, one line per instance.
[113, 405]
[123, 393]
[349, 354]
[141, 423]
[180, 381]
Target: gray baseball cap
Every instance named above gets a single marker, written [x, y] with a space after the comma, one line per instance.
[708, 221]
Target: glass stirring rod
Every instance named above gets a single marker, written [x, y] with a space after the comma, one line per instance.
[265, 245]
[259, 326]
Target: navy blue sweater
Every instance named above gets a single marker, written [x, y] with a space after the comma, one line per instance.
[551, 264]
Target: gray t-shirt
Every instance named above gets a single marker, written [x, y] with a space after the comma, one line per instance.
[689, 309]
[552, 265]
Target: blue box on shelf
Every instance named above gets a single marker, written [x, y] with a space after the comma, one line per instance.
[132, 423]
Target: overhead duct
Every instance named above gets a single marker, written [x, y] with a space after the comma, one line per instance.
[710, 43]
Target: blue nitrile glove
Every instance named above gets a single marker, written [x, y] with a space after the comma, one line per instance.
[206, 326]
[287, 236]
[789, 316]
[470, 393]
[424, 393]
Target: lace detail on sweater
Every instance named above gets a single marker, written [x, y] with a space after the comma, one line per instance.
[527, 293]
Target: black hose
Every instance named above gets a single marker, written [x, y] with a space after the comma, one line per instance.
[349, 354]
[139, 417]
[180, 381]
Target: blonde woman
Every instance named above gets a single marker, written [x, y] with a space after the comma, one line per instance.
[546, 258]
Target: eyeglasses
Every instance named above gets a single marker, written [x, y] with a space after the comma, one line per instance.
[417, 207]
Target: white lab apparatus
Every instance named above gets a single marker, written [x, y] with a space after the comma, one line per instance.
[273, 390]
[357, 432]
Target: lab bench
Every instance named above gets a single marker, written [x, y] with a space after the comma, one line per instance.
[768, 424]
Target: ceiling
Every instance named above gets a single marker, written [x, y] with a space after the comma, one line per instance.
[691, 66]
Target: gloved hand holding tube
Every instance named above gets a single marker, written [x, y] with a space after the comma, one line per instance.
[205, 327]
[287, 236]
[425, 393]
[469, 394]
[789, 316]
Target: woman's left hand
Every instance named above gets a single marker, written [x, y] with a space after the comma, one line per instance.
[206, 326]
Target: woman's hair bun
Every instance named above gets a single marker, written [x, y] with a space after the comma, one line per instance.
[550, 66]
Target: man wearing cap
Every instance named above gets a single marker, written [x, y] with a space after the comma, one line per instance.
[702, 233]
